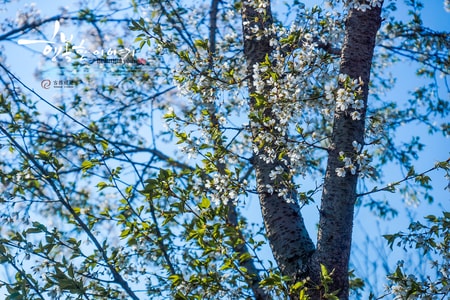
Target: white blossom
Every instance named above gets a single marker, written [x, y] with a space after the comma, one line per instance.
[356, 146]
[355, 115]
[340, 172]
[269, 189]
[364, 5]
[352, 168]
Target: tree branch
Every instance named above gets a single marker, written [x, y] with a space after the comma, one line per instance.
[391, 186]
[46, 177]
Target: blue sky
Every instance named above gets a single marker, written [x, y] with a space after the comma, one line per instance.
[23, 64]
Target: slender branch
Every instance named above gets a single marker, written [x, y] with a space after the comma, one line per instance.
[25, 277]
[176, 23]
[95, 133]
[28, 27]
[410, 54]
[390, 186]
[46, 177]
[47, 257]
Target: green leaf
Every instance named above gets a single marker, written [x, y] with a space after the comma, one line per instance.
[104, 145]
[201, 44]
[86, 165]
[176, 279]
[411, 172]
[44, 155]
[323, 270]
[205, 203]
[125, 233]
[129, 190]
[102, 185]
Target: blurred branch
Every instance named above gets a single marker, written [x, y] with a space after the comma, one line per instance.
[28, 27]
[411, 175]
[49, 179]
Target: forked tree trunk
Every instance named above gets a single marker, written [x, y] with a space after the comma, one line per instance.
[291, 245]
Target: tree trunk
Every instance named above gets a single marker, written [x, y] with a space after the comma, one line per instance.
[291, 245]
[286, 232]
[339, 193]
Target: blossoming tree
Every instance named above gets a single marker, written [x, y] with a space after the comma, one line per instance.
[98, 203]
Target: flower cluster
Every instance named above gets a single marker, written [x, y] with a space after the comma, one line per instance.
[409, 287]
[347, 96]
[284, 99]
[361, 5]
[402, 288]
[29, 15]
[260, 5]
[222, 189]
[275, 173]
[364, 5]
[358, 162]
[283, 189]
[254, 28]
[348, 165]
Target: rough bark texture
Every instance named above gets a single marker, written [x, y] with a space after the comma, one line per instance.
[286, 232]
[339, 193]
[291, 245]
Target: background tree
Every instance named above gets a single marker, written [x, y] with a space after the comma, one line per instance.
[99, 204]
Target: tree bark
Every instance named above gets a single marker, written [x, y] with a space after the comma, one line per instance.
[339, 193]
[291, 245]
